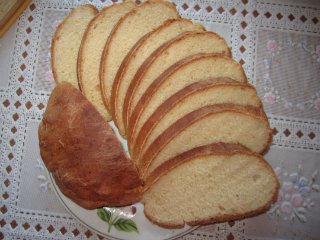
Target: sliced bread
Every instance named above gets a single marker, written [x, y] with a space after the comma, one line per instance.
[134, 25]
[189, 99]
[210, 184]
[138, 54]
[178, 76]
[92, 45]
[66, 43]
[83, 154]
[229, 123]
[185, 45]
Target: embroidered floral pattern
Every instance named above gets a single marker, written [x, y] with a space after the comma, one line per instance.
[272, 45]
[294, 199]
[49, 76]
[272, 96]
[44, 181]
[317, 104]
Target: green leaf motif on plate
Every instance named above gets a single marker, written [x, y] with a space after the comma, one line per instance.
[126, 225]
[120, 224]
[104, 215]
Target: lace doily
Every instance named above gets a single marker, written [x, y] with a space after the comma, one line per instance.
[279, 47]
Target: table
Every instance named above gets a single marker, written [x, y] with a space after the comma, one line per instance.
[278, 45]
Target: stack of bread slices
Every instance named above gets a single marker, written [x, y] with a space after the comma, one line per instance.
[195, 127]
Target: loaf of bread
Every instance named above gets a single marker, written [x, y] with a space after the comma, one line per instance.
[185, 45]
[127, 32]
[92, 45]
[229, 123]
[210, 184]
[195, 127]
[138, 54]
[189, 99]
[181, 74]
[81, 151]
[66, 43]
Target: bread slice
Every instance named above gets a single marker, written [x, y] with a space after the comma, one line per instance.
[134, 25]
[183, 46]
[229, 123]
[210, 184]
[178, 76]
[92, 45]
[138, 54]
[189, 99]
[66, 43]
[83, 154]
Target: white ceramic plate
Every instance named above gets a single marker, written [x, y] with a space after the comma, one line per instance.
[128, 222]
[146, 230]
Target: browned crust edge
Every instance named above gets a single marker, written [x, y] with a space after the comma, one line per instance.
[90, 204]
[132, 193]
[219, 148]
[182, 63]
[124, 65]
[211, 149]
[147, 95]
[73, 197]
[105, 53]
[84, 42]
[106, 98]
[223, 218]
[154, 86]
[163, 139]
[55, 38]
[136, 143]
[147, 63]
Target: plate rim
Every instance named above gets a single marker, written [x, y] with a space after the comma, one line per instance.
[57, 191]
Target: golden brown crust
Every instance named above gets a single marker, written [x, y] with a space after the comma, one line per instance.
[80, 149]
[123, 67]
[219, 148]
[106, 98]
[152, 89]
[222, 218]
[215, 148]
[135, 145]
[157, 83]
[56, 37]
[147, 63]
[84, 41]
[105, 52]
[226, 149]
[165, 137]
[92, 203]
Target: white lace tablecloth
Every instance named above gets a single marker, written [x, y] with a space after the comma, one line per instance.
[278, 44]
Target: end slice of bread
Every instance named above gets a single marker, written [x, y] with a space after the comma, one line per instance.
[137, 55]
[66, 43]
[178, 76]
[185, 45]
[211, 184]
[83, 154]
[229, 123]
[189, 99]
[92, 45]
[128, 31]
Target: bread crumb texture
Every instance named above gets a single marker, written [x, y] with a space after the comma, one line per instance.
[211, 189]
